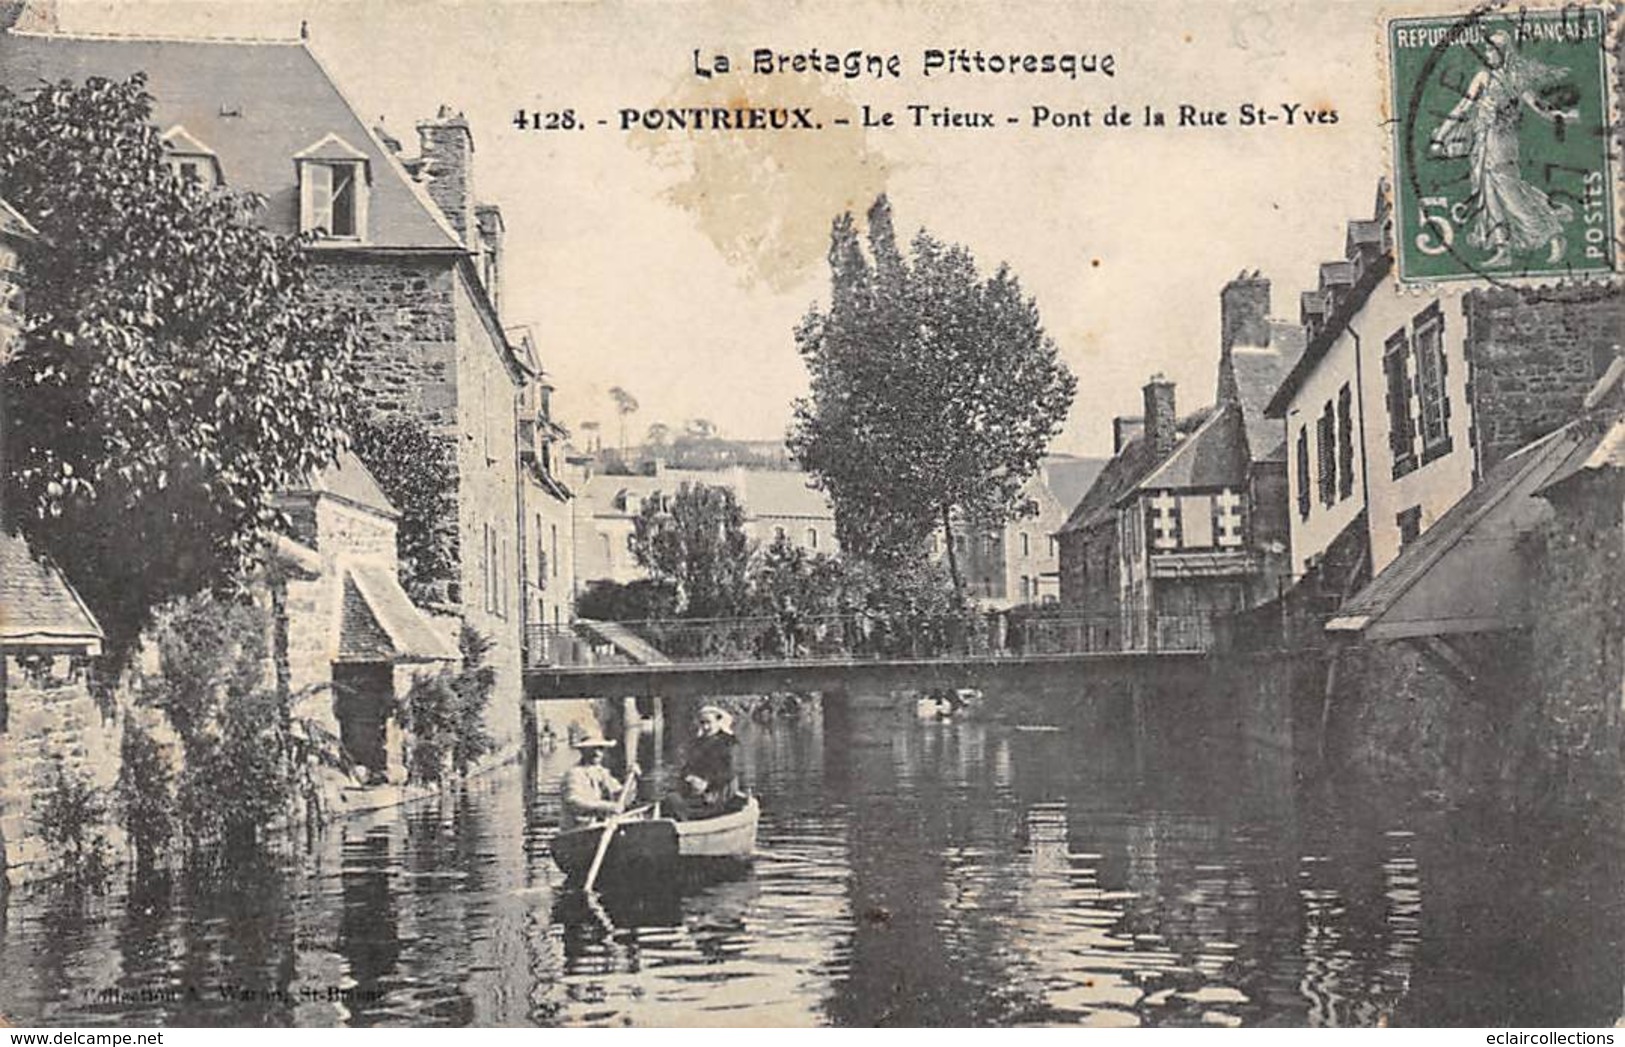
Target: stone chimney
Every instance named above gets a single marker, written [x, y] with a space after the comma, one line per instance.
[34, 16]
[1161, 423]
[1125, 429]
[1244, 311]
[488, 217]
[447, 148]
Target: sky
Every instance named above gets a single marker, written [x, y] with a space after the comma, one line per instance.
[676, 264]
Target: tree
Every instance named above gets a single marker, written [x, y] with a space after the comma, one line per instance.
[174, 373]
[625, 404]
[934, 392]
[697, 543]
[659, 435]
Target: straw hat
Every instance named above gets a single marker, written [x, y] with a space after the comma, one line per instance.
[584, 738]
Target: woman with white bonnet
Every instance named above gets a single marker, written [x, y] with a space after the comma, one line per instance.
[708, 785]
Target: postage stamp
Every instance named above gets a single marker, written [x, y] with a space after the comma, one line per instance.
[1502, 155]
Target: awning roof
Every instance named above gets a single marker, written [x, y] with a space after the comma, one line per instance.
[380, 623]
[1464, 574]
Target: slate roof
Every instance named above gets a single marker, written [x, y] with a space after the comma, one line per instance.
[350, 481]
[14, 224]
[771, 492]
[1259, 373]
[1070, 478]
[1214, 455]
[1121, 474]
[1326, 337]
[38, 608]
[762, 492]
[380, 622]
[256, 105]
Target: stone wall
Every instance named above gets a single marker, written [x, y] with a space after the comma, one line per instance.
[1575, 746]
[1399, 715]
[1533, 358]
[408, 318]
[50, 720]
[488, 498]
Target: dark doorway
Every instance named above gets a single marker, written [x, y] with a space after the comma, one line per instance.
[364, 693]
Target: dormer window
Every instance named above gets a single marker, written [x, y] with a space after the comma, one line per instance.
[334, 177]
[190, 159]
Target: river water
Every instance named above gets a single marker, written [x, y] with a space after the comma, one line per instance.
[924, 873]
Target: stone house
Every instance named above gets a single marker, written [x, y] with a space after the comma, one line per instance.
[1403, 400]
[403, 241]
[354, 642]
[1185, 525]
[48, 638]
[1500, 626]
[48, 717]
[1018, 563]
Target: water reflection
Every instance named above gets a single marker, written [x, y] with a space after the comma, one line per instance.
[921, 873]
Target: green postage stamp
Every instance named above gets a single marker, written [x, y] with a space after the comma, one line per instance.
[1502, 144]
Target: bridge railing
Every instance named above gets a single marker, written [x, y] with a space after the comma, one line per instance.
[789, 638]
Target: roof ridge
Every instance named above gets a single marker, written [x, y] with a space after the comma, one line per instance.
[419, 192]
[1216, 412]
[156, 38]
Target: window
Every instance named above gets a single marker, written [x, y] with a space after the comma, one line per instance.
[333, 177]
[1026, 545]
[1052, 546]
[1303, 471]
[190, 159]
[554, 562]
[812, 537]
[541, 555]
[778, 534]
[1410, 525]
[1345, 442]
[603, 540]
[1431, 370]
[1401, 430]
[1196, 521]
[1326, 454]
[330, 193]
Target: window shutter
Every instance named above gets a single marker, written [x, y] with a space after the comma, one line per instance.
[316, 197]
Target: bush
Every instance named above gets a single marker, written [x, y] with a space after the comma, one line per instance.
[637, 601]
[444, 715]
[71, 815]
[145, 796]
[235, 733]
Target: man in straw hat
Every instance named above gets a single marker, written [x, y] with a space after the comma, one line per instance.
[708, 784]
[588, 791]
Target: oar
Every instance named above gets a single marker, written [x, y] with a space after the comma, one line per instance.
[609, 831]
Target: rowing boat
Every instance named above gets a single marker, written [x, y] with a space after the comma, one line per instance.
[646, 844]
